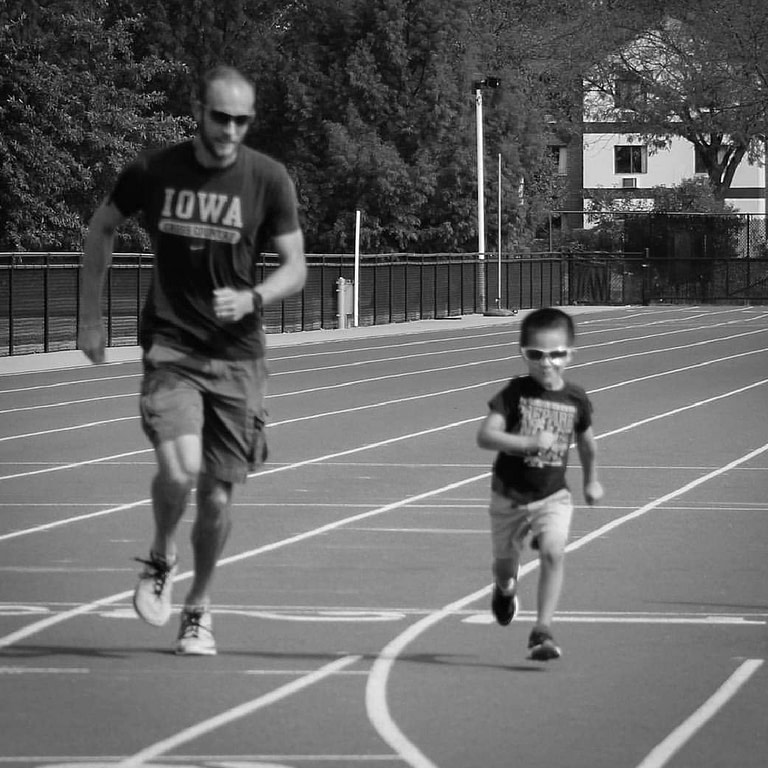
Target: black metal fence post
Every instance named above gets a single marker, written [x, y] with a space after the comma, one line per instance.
[46, 306]
[138, 298]
[11, 270]
[109, 305]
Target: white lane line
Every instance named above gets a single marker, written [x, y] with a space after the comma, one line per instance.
[236, 713]
[64, 403]
[663, 752]
[75, 464]
[276, 357]
[427, 395]
[455, 390]
[86, 425]
[398, 358]
[376, 702]
[38, 626]
[44, 671]
[497, 360]
[72, 382]
[250, 760]
[564, 618]
[261, 473]
[683, 408]
[317, 459]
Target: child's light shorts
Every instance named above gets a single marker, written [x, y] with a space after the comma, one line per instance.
[511, 522]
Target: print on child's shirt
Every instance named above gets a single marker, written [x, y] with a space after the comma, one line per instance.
[546, 416]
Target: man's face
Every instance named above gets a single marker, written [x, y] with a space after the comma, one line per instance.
[223, 119]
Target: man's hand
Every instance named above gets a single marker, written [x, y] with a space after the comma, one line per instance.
[593, 492]
[230, 305]
[91, 339]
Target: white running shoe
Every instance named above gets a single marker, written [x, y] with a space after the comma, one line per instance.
[152, 597]
[196, 633]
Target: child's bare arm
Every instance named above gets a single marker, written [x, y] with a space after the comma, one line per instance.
[587, 447]
[493, 436]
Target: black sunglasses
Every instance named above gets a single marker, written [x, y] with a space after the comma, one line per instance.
[535, 355]
[224, 118]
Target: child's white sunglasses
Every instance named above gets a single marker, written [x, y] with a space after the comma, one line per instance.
[536, 355]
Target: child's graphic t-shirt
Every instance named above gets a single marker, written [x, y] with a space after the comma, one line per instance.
[528, 408]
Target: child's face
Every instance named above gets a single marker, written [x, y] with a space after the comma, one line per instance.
[548, 369]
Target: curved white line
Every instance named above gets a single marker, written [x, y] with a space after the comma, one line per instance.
[376, 703]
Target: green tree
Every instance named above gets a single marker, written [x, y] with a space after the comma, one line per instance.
[371, 105]
[200, 34]
[74, 108]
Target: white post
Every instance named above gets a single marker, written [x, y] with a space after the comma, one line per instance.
[498, 282]
[480, 199]
[341, 303]
[356, 285]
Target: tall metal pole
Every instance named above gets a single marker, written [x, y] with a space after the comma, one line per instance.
[498, 282]
[356, 286]
[480, 198]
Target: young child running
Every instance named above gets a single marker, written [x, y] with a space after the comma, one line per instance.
[531, 424]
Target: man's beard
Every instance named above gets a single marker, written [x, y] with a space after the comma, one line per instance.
[211, 147]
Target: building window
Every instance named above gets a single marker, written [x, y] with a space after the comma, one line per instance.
[630, 158]
[560, 159]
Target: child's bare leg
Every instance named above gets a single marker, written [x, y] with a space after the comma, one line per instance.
[552, 565]
[505, 571]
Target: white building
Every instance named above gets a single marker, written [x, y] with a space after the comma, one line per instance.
[621, 164]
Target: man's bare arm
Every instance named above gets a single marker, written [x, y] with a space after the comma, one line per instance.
[290, 276]
[97, 256]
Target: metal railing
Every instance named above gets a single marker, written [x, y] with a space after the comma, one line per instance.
[39, 293]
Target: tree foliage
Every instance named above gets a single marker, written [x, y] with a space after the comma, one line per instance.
[74, 107]
[370, 103]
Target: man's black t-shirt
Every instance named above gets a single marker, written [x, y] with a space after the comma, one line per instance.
[528, 408]
[207, 226]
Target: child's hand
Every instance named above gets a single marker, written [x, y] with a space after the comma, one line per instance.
[544, 440]
[593, 492]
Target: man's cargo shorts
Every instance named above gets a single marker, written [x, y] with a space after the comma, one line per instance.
[220, 400]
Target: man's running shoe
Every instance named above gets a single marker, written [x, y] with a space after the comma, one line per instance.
[196, 633]
[542, 646]
[504, 607]
[152, 597]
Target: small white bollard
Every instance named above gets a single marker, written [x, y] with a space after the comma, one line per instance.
[344, 301]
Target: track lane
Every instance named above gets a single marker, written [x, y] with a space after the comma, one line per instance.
[338, 563]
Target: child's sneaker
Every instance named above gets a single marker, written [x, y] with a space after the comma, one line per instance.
[152, 597]
[196, 633]
[504, 607]
[542, 646]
